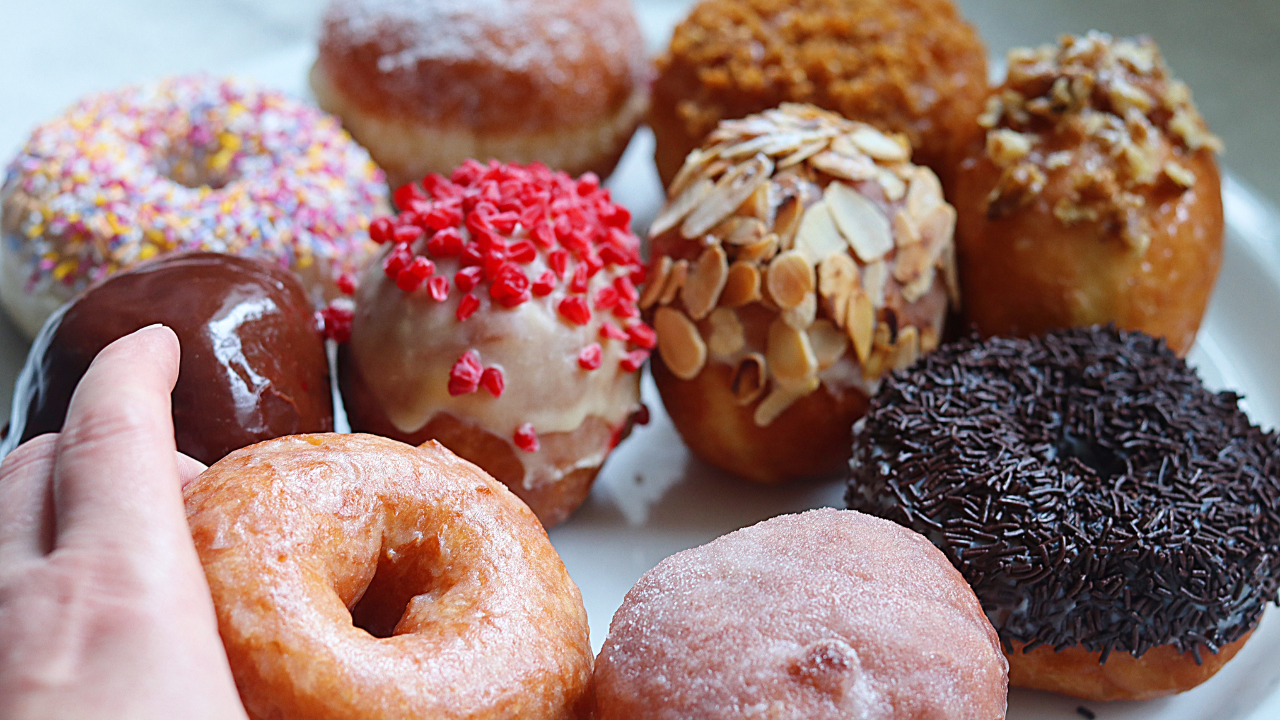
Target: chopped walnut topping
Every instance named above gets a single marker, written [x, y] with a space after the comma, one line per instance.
[1006, 147]
[1018, 186]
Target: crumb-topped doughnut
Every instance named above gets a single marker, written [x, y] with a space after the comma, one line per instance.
[358, 577]
[1097, 497]
[427, 84]
[189, 163]
[910, 66]
[502, 321]
[826, 615]
[1094, 196]
[799, 258]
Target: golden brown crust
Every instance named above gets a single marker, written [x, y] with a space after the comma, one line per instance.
[551, 499]
[911, 66]
[1080, 208]
[301, 534]
[529, 67]
[1076, 672]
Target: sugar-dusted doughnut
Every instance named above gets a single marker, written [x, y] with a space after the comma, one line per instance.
[186, 163]
[825, 615]
[358, 577]
[1117, 520]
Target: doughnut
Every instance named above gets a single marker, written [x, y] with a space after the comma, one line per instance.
[501, 320]
[905, 66]
[186, 163]
[799, 257]
[253, 362]
[1117, 520]
[826, 615]
[428, 84]
[1094, 196]
[357, 577]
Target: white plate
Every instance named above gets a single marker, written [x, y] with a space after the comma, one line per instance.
[653, 498]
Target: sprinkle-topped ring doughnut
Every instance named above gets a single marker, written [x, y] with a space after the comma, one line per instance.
[1093, 493]
[193, 163]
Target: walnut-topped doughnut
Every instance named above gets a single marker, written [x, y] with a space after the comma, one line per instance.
[1094, 196]
[799, 258]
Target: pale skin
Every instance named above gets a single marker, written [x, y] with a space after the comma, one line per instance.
[104, 609]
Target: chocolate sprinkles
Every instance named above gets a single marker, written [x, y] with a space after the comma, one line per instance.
[1086, 484]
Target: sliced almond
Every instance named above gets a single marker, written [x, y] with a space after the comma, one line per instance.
[790, 279]
[679, 343]
[779, 399]
[829, 343]
[675, 281]
[910, 262]
[818, 235]
[706, 280]
[749, 379]
[893, 186]
[928, 340]
[787, 220]
[756, 206]
[861, 323]
[843, 144]
[742, 286]
[947, 263]
[881, 146]
[860, 221]
[907, 350]
[682, 205]
[905, 230]
[938, 228]
[875, 277]
[920, 286]
[729, 192]
[694, 162]
[727, 335]
[843, 166]
[655, 282]
[804, 152]
[761, 251]
[791, 359]
[837, 278]
[738, 230]
[924, 194]
[801, 316]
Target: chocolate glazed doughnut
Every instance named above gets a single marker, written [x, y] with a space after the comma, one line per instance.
[1117, 520]
[253, 362]
[360, 578]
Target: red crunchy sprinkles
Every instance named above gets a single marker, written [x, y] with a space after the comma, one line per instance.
[346, 283]
[526, 439]
[335, 320]
[498, 220]
[590, 357]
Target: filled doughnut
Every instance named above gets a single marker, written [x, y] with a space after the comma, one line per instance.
[357, 577]
[830, 614]
[1094, 196]
[800, 256]
[905, 66]
[190, 163]
[1117, 520]
[501, 320]
[427, 84]
[253, 361]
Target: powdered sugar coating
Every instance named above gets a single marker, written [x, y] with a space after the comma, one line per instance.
[187, 163]
[827, 614]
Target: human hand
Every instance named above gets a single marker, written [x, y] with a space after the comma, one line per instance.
[104, 609]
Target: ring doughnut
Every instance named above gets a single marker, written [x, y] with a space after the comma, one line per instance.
[185, 163]
[1117, 520]
[358, 577]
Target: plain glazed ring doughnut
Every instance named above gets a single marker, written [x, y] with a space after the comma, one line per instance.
[1117, 520]
[186, 163]
[358, 577]
[826, 615]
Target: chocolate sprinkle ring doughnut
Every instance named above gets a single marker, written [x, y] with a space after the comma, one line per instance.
[1086, 484]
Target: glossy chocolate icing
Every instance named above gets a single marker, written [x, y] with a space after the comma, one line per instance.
[253, 362]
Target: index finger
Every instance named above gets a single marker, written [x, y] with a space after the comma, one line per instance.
[116, 476]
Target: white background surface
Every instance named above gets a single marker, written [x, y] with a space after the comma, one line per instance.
[653, 499]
